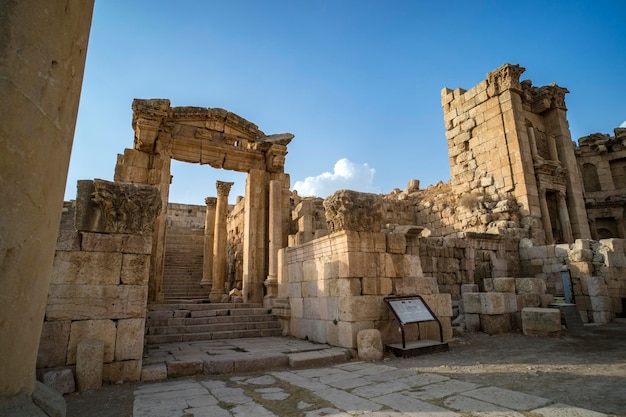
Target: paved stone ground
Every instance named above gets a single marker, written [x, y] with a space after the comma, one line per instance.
[345, 390]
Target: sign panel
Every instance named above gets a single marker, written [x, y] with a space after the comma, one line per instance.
[411, 310]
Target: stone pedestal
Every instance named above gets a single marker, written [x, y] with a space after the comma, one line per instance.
[89, 364]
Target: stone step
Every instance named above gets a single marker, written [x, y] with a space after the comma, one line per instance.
[213, 328]
[202, 306]
[188, 337]
[191, 321]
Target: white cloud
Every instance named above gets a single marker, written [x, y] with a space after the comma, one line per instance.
[345, 176]
[623, 124]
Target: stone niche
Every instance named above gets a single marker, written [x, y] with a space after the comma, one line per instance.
[99, 283]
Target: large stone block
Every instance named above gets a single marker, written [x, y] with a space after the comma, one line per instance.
[370, 345]
[89, 365]
[343, 287]
[530, 285]
[53, 344]
[84, 302]
[426, 286]
[472, 303]
[469, 288]
[103, 330]
[396, 242]
[312, 308]
[363, 308]
[602, 317]
[125, 371]
[60, 380]
[492, 303]
[595, 286]
[348, 331]
[499, 284]
[352, 210]
[440, 304]
[429, 330]
[472, 322]
[495, 323]
[297, 307]
[541, 321]
[600, 303]
[580, 269]
[86, 268]
[528, 300]
[129, 340]
[105, 242]
[68, 240]
[135, 269]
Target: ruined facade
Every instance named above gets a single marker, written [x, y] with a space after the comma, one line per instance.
[511, 230]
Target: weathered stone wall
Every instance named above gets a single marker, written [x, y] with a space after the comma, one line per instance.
[601, 160]
[189, 216]
[99, 284]
[234, 256]
[597, 272]
[336, 285]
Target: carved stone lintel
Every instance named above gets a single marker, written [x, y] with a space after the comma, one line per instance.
[223, 188]
[114, 207]
[211, 202]
[352, 210]
[504, 78]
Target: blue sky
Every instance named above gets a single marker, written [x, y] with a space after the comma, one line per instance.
[357, 82]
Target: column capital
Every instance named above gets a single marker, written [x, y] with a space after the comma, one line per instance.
[223, 188]
[211, 202]
[504, 78]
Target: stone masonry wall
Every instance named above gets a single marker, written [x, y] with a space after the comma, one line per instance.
[99, 283]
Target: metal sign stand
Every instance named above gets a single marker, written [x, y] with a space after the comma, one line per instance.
[412, 309]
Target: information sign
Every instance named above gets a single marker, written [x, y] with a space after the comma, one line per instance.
[411, 310]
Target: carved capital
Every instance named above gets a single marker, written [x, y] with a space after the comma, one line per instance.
[223, 188]
[211, 202]
[275, 158]
[504, 78]
[114, 207]
[352, 210]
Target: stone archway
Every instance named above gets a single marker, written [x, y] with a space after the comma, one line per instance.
[223, 140]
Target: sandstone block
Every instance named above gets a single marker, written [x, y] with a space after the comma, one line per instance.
[68, 240]
[363, 308]
[580, 255]
[541, 321]
[580, 269]
[469, 288]
[583, 302]
[386, 286]
[472, 322]
[342, 287]
[510, 302]
[154, 372]
[297, 307]
[528, 300]
[103, 330]
[440, 304]
[504, 284]
[295, 289]
[309, 288]
[84, 302]
[129, 340]
[429, 330]
[60, 380]
[89, 364]
[117, 243]
[426, 286]
[472, 303]
[495, 323]
[546, 300]
[530, 285]
[135, 269]
[53, 344]
[396, 242]
[596, 287]
[125, 371]
[600, 303]
[312, 308]
[348, 331]
[184, 368]
[86, 268]
[492, 303]
[412, 266]
[602, 317]
[370, 345]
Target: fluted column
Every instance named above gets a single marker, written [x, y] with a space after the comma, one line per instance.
[209, 232]
[219, 242]
[275, 237]
[545, 217]
[566, 227]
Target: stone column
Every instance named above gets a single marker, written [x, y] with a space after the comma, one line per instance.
[554, 154]
[43, 45]
[532, 140]
[219, 242]
[275, 240]
[566, 227]
[209, 232]
[592, 227]
[545, 217]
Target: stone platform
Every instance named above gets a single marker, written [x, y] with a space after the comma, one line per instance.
[228, 356]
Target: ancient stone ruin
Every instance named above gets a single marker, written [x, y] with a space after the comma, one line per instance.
[529, 222]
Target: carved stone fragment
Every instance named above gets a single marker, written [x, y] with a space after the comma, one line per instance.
[352, 210]
[113, 207]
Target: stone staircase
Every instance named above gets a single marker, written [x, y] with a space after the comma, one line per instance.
[168, 323]
[182, 272]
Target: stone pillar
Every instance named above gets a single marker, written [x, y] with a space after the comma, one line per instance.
[592, 227]
[219, 242]
[545, 217]
[564, 219]
[43, 45]
[275, 239]
[209, 232]
[533, 141]
[554, 154]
